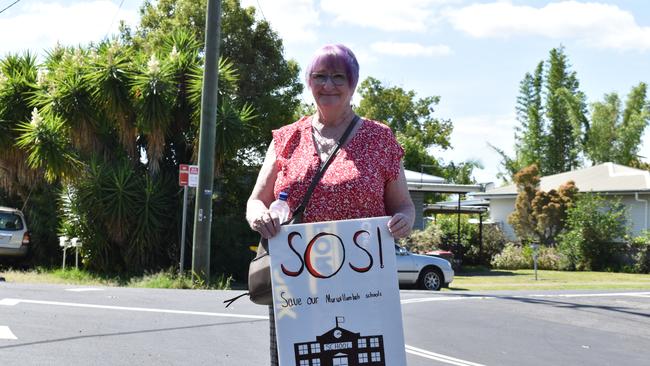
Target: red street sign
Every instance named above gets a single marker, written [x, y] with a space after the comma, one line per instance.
[183, 175]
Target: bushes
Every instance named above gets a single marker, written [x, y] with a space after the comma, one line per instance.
[512, 257]
[515, 256]
[641, 245]
[421, 241]
[594, 230]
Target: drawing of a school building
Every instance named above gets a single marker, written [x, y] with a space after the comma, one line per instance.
[341, 347]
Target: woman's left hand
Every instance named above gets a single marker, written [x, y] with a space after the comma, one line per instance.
[399, 226]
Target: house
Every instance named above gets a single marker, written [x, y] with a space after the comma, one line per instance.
[631, 186]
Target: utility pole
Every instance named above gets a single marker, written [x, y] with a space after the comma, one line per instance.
[203, 207]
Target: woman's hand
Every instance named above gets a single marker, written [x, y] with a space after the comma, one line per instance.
[399, 226]
[267, 224]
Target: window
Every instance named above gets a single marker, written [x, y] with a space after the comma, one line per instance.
[340, 361]
[304, 362]
[10, 222]
[363, 358]
[315, 348]
[375, 357]
[315, 362]
[374, 342]
[302, 349]
[362, 343]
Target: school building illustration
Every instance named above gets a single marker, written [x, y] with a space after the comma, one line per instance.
[341, 347]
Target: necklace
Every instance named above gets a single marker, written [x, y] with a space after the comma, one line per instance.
[326, 145]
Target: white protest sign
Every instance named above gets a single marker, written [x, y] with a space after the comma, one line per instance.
[335, 293]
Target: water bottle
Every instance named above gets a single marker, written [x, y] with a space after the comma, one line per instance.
[281, 207]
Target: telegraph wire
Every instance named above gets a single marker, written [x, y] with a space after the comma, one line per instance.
[115, 16]
[12, 4]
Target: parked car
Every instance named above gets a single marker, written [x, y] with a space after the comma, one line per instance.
[14, 237]
[427, 272]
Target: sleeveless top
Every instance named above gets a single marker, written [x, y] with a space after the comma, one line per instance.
[353, 185]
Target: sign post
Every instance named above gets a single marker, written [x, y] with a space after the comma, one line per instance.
[188, 175]
[335, 294]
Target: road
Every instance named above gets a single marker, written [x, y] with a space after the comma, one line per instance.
[71, 325]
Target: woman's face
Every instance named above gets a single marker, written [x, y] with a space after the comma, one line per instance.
[330, 87]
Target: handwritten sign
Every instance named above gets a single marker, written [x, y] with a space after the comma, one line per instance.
[336, 297]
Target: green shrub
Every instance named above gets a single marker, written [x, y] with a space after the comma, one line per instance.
[549, 258]
[642, 258]
[494, 240]
[513, 256]
[422, 241]
[516, 256]
[594, 225]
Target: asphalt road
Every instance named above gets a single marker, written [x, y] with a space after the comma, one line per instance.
[68, 325]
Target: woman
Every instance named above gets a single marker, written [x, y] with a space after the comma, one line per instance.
[366, 178]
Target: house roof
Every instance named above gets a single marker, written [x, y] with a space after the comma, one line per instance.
[417, 181]
[417, 177]
[602, 178]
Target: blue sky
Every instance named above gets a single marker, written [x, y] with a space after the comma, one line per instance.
[471, 53]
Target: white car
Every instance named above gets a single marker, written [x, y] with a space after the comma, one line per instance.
[427, 272]
[14, 237]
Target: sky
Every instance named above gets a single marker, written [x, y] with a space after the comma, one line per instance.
[472, 54]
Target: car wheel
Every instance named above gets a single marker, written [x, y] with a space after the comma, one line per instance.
[431, 279]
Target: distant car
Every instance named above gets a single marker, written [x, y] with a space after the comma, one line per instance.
[14, 237]
[427, 272]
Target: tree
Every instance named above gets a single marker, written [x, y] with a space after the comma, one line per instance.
[530, 135]
[540, 216]
[551, 112]
[265, 79]
[593, 227]
[615, 135]
[415, 126]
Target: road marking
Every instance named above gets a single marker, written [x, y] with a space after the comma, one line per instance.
[5, 333]
[84, 289]
[458, 298]
[445, 298]
[12, 302]
[438, 357]
[609, 294]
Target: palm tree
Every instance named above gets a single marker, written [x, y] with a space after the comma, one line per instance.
[18, 80]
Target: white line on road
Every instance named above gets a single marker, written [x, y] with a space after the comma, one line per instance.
[5, 333]
[458, 298]
[12, 302]
[427, 299]
[609, 294]
[438, 357]
[84, 289]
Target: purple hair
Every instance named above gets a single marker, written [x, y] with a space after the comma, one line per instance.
[332, 56]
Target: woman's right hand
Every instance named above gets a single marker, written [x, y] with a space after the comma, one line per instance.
[266, 223]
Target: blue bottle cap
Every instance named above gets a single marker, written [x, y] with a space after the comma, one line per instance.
[283, 196]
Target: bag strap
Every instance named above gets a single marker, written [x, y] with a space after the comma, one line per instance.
[305, 200]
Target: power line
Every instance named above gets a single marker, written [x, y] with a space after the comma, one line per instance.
[115, 16]
[261, 11]
[10, 5]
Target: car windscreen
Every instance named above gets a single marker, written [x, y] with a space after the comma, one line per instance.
[10, 221]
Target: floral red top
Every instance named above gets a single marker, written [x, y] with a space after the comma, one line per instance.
[353, 185]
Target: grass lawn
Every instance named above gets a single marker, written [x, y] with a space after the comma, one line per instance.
[524, 279]
[163, 279]
[479, 280]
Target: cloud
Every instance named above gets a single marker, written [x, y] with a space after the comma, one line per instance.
[470, 139]
[596, 24]
[40, 26]
[294, 20]
[409, 49]
[388, 15]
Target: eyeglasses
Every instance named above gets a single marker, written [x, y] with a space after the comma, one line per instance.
[321, 79]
